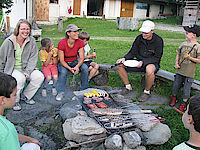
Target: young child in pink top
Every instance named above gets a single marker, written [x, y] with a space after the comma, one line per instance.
[49, 58]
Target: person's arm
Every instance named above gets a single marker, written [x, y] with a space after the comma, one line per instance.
[3, 55]
[80, 61]
[88, 55]
[48, 61]
[187, 56]
[177, 61]
[23, 138]
[33, 57]
[62, 61]
[55, 60]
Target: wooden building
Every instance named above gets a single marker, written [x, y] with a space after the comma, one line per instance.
[48, 11]
[191, 12]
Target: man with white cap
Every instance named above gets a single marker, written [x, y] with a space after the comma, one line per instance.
[147, 49]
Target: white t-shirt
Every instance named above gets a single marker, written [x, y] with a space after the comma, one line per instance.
[184, 146]
[86, 50]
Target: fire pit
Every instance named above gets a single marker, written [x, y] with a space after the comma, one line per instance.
[107, 112]
[122, 122]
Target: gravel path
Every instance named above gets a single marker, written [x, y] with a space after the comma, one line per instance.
[173, 28]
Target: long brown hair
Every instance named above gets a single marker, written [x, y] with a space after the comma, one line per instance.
[16, 30]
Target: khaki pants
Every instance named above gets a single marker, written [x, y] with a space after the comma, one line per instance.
[36, 78]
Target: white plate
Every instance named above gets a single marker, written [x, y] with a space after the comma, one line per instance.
[131, 63]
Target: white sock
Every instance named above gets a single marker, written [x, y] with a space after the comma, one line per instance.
[147, 92]
[128, 86]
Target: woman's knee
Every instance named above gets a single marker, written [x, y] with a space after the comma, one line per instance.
[37, 76]
[20, 77]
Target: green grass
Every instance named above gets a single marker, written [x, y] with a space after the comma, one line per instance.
[97, 27]
[173, 20]
[109, 51]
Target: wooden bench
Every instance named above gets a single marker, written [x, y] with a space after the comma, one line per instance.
[161, 74]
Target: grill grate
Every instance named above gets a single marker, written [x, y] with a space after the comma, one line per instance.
[111, 104]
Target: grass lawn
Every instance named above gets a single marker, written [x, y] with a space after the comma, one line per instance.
[109, 51]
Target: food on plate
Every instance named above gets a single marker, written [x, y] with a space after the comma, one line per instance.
[98, 99]
[107, 98]
[118, 125]
[114, 118]
[86, 95]
[108, 111]
[101, 105]
[87, 100]
[94, 98]
[92, 106]
[95, 93]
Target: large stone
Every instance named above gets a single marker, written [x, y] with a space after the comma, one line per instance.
[132, 139]
[86, 126]
[158, 135]
[29, 112]
[92, 145]
[102, 78]
[69, 110]
[114, 142]
[79, 138]
[46, 141]
[145, 122]
[67, 129]
[129, 23]
[125, 147]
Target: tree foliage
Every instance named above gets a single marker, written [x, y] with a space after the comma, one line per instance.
[6, 4]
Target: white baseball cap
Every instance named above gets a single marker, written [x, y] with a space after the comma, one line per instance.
[147, 26]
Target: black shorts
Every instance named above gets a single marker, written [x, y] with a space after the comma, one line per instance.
[88, 63]
[142, 69]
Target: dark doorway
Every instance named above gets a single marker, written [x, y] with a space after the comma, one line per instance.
[148, 10]
[95, 7]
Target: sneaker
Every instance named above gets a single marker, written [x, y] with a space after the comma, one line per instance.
[60, 96]
[26, 100]
[17, 106]
[143, 97]
[54, 91]
[173, 101]
[124, 91]
[182, 107]
[44, 92]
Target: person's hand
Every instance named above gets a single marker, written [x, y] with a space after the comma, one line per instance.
[55, 54]
[94, 56]
[50, 53]
[32, 140]
[122, 60]
[140, 64]
[72, 70]
[187, 56]
[76, 70]
[177, 66]
[26, 75]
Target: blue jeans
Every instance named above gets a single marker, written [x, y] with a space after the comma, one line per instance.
[62, 76]
[186, 82]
